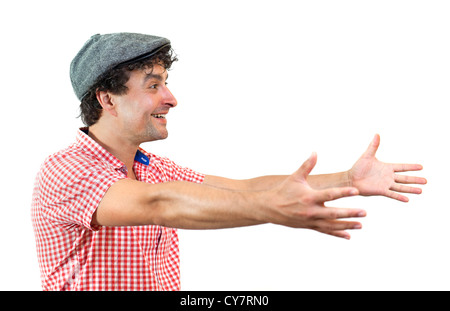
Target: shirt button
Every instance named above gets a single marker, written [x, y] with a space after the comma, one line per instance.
[124, 170]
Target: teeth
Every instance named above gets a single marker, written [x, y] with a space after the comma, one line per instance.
[160, 116]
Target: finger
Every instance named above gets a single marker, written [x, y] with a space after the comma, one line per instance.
[333, 213]
[337, 233]
[337, 229]
[307, 166]
[373, 147]
[396, 196]
[335, 225]
[405, 189]
[403, 179]
[407, 167]
[335, 193]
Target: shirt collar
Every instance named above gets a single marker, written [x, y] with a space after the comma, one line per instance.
[142, 157]
[90, 145]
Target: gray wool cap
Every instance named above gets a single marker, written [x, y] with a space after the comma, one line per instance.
[104, 52]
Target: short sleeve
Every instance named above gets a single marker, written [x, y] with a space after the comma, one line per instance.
[70, 189]
[177, 172]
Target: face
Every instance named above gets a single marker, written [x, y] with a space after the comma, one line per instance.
[142, 111]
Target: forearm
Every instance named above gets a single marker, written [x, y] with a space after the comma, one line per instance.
[322, 181]
[226, 203]
[194, 206]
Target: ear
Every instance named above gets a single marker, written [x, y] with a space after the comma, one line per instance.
[105, 100]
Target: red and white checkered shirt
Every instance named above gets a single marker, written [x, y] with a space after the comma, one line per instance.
[72, 254]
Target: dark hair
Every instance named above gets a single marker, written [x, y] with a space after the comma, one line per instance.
[114, 81]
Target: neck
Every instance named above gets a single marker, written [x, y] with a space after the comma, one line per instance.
[122, 149]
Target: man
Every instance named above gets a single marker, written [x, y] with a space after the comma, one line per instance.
[105, 211]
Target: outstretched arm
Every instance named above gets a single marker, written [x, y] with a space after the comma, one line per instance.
[187, 205]
[368, 175]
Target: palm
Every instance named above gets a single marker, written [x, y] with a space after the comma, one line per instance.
[372, 177]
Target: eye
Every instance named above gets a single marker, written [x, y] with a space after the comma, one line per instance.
[155, 86]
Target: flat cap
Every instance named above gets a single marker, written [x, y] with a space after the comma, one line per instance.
[103, 52]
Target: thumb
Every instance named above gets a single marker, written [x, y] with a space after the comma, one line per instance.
[306, 167]
[373, 147]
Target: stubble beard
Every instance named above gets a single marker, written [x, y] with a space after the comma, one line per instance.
[153, 133]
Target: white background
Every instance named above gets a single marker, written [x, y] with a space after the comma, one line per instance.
[260, 85]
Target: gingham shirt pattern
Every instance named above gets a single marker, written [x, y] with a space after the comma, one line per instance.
[72, 254]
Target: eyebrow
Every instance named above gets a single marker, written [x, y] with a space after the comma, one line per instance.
[158, 77]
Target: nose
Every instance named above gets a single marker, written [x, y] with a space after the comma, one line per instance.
[169, 99]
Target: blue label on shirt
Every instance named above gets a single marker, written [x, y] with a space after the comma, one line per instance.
[141, 158]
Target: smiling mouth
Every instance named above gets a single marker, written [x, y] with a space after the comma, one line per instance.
[159, 116]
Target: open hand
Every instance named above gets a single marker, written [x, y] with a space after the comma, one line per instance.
[372, 177]
[300, 206]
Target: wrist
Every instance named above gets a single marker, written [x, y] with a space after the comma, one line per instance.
[260, 204]
[325, 181]
[348, 178]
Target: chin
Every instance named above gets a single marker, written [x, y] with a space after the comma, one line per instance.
[153, 137]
